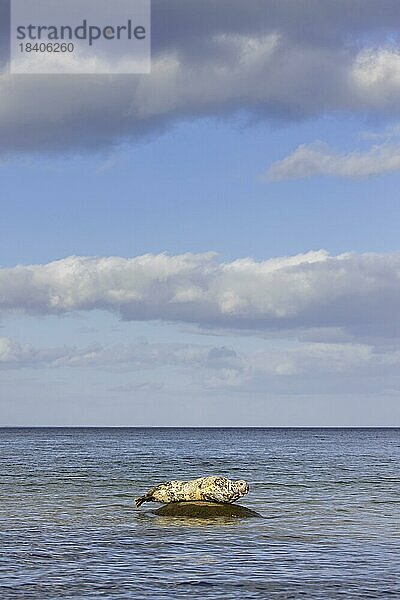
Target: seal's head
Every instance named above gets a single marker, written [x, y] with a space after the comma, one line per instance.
[242, 486]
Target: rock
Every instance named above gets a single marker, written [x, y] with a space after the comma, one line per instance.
[205, 510]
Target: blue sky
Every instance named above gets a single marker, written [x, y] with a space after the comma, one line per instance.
[195, 339]
[155, 196]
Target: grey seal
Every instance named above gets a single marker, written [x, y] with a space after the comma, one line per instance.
[212, 489]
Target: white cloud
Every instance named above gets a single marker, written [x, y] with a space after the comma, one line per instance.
[376, 74]
[318, 158]
[356, 293]
[12, 352]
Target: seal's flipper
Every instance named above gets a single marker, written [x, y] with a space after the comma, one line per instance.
[139, 501]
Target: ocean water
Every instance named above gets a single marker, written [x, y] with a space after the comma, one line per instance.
[330, 500]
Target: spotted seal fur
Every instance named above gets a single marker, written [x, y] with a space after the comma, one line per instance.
[212, 489]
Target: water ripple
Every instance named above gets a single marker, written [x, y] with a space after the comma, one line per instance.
[69, 529]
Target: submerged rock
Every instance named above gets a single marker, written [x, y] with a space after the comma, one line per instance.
[205, 510]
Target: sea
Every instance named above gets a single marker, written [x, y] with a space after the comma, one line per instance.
[329, 500]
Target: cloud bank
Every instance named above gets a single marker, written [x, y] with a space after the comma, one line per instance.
[275, 60]
[133, 357]
[357, 294]
[298, 369]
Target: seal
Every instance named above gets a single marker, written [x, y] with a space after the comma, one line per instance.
[211, 489]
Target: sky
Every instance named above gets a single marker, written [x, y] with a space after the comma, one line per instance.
[213, 244]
